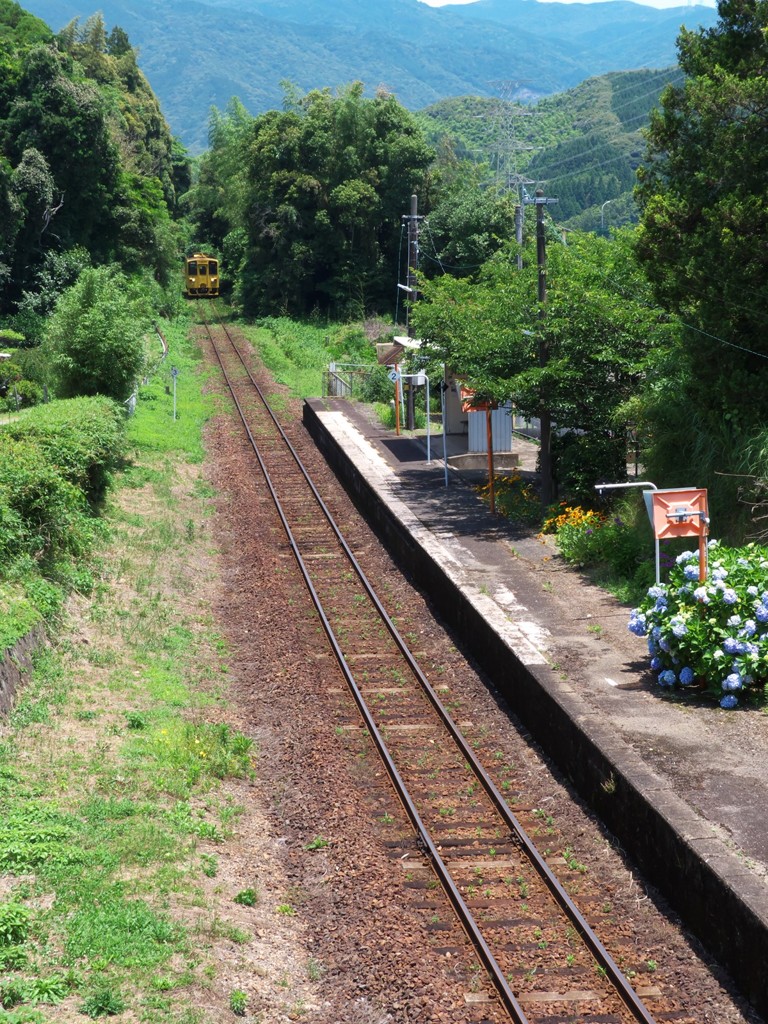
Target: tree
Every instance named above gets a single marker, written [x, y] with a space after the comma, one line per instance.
[704, 197]
[599, 330]
[328, 182]
[95, 337]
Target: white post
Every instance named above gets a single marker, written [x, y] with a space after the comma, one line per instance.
[442, 411]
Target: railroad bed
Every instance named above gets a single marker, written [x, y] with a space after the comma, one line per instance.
[482, 863]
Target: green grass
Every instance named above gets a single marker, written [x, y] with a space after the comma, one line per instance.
[153, 428]
[297, 353]
[110, 769]
[17, 615]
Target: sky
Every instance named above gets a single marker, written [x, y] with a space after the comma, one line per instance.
[647, 3]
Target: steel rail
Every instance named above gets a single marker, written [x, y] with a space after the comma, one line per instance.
[596, 947]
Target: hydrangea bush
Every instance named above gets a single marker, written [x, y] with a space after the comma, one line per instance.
[714, 633]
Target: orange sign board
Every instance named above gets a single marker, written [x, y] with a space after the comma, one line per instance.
[681, 513]
[469, 403]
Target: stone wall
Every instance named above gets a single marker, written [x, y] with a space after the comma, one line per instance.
[15, 665]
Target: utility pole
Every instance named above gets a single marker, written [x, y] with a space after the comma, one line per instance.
[412, 220]
[545, 454]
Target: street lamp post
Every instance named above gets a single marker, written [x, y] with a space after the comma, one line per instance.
[602, 215]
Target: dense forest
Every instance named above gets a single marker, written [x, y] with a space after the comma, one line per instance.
[89, 173]
[306, 203]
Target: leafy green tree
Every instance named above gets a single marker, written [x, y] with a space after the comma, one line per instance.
[704, 193]
[467, 222]
[599, 330]
[328, 182]
[95, 337]
[704, 196]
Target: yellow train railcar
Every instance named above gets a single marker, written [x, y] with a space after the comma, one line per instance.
[201, 276]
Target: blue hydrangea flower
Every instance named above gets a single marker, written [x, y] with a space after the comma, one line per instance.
[661, 604]
[656, 664]
[730, 596]
[719, 573]
[734, 620]
[731, 645]
[729, 701]
[667, 678]
[691, 572]
[664, 644]
[752, 591]
[701, 594]
[686, 676]
[679, 628]
[660, 591]
[732, 682]
[686, 556]
[749, 628]
[761, 613]
[637, 623]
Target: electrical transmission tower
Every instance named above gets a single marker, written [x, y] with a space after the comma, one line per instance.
[509, 146]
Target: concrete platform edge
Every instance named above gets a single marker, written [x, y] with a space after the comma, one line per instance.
[720, 900]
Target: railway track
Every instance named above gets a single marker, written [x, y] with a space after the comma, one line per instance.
[540, 953]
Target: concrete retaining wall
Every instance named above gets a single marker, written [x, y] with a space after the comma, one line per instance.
[720, 900]
[15, 664]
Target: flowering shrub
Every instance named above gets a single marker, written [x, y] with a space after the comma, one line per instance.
[713, 633]
[571, 515]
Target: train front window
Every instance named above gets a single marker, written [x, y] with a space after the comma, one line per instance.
[192, 268]
[212, 269]
[202, 270]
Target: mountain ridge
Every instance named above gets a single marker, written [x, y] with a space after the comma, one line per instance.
[213, 50]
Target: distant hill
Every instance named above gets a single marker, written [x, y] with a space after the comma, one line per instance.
[199, 53]
[582, 146]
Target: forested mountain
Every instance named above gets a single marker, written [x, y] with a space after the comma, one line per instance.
[199, 53]
[88, 169]
[582, 146]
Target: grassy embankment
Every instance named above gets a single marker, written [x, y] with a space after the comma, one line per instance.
[112, 806]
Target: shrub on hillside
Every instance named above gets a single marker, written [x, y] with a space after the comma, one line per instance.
[95, 337]
[83, 437]
[41, 513]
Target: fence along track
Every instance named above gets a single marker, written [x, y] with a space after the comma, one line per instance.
[354, 608]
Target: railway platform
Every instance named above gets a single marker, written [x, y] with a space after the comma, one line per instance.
[681, 784]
